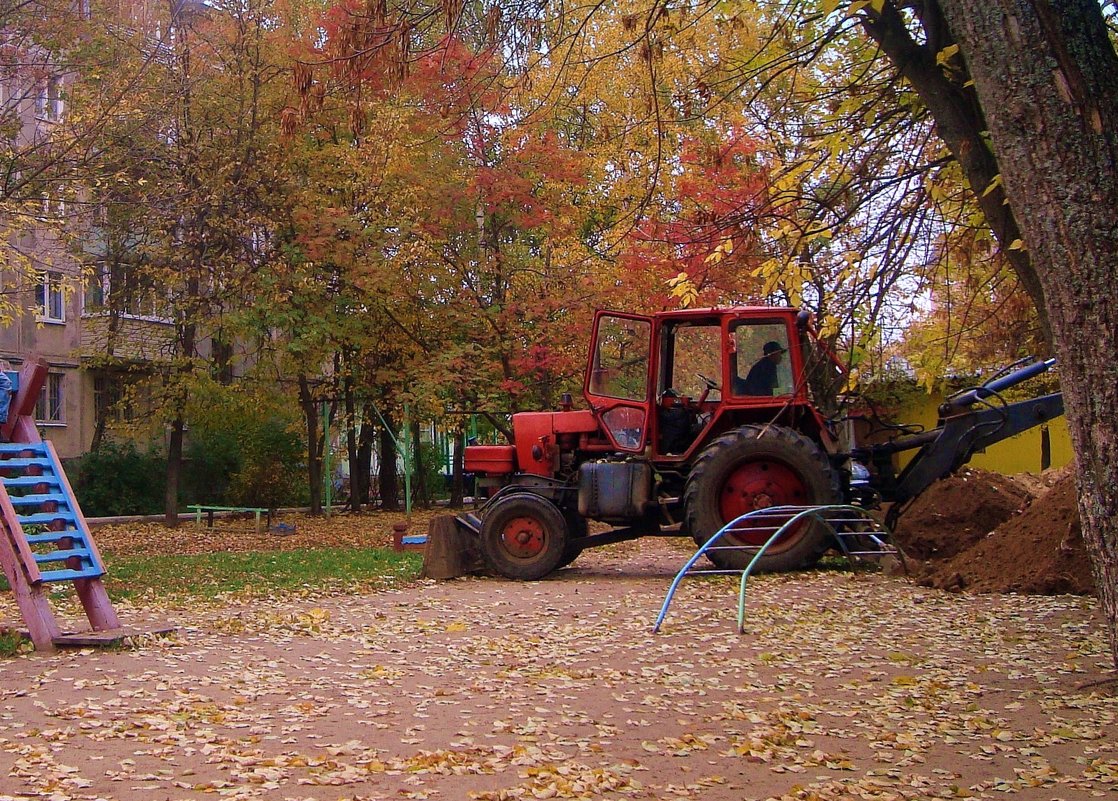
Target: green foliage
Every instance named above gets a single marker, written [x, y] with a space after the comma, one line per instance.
[118, 479]
[212, 458]
[269, 472]
[12, 643]
[434, 470]
[244, 449]
[894, 392]
[207, 576]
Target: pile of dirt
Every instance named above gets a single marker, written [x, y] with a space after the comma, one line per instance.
[955, 513]
[964, 534]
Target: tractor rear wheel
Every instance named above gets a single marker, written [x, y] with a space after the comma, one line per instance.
[523, 536]
[754, 467]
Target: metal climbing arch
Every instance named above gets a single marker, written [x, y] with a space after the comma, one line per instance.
[857, 533]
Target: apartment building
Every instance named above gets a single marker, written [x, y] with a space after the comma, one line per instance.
[50, 300]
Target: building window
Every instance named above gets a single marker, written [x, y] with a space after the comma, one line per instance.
[49, 407]
[54, 206]
[120, 397]
[128, 291]
[50, 298]
[48, 103]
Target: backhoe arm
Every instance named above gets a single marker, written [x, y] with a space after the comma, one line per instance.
[962, 431]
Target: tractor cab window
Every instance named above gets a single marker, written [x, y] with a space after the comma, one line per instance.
[689, 387]
[620, 365]
[695, 363]
[760, 365]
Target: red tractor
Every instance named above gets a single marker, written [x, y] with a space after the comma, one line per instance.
[698, 416]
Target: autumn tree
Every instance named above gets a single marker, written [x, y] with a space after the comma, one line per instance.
[1046, 79]
[461, 232]
[42, 147]
[175, 190]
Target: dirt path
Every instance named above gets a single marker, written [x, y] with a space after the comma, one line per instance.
[846, 686]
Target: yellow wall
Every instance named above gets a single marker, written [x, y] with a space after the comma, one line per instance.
[1019, 454]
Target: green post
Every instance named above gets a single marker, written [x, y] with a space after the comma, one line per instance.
[406, 451]
[327, 466]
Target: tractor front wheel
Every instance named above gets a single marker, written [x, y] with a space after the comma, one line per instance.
[523, 537]
[751, 468]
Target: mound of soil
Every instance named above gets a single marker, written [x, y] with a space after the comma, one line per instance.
[955, 513]
[1038, 551]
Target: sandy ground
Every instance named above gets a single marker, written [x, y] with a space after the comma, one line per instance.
[845, 686]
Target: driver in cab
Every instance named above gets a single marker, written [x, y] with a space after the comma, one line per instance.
[762, 377]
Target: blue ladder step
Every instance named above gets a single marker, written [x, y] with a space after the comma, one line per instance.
[69, 575]
[61, 556]
[31, 481]
[41, 518]
[55, 536]
[23, 463]
[31, 500]
[22, 447]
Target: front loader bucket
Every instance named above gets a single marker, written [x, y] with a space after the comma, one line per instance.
[452, 547]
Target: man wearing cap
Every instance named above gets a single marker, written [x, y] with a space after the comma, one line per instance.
[762, 378]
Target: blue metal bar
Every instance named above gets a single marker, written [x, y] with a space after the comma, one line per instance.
[33, 461]
[70, 575]
[20, 447]
[709, 545]
[55, 536]
[33, 500]
[62, 556]
[826, 515]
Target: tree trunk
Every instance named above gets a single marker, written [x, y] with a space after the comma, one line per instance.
[315, 442]
[174, 474]
[351, 442]
[359, 476]
[1047, 77]
[420, 492]
[187, 337]
[389, 481]
[458, 475]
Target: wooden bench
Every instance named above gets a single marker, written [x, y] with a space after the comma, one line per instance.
[198, 509]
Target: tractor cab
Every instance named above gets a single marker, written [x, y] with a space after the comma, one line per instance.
[669, 382]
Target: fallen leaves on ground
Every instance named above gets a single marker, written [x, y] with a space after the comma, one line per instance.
[845, 686]
[239, 534]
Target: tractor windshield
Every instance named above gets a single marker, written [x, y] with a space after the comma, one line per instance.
[695, 361]
[620, 366]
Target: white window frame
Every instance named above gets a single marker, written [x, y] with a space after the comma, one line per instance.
[103, 280]
[49, 105]
[50, 408]
[51, 297]
[54, 207]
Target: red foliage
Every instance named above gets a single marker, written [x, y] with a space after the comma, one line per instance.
[712, 201]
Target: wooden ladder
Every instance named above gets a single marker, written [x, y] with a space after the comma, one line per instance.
[44, 537]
